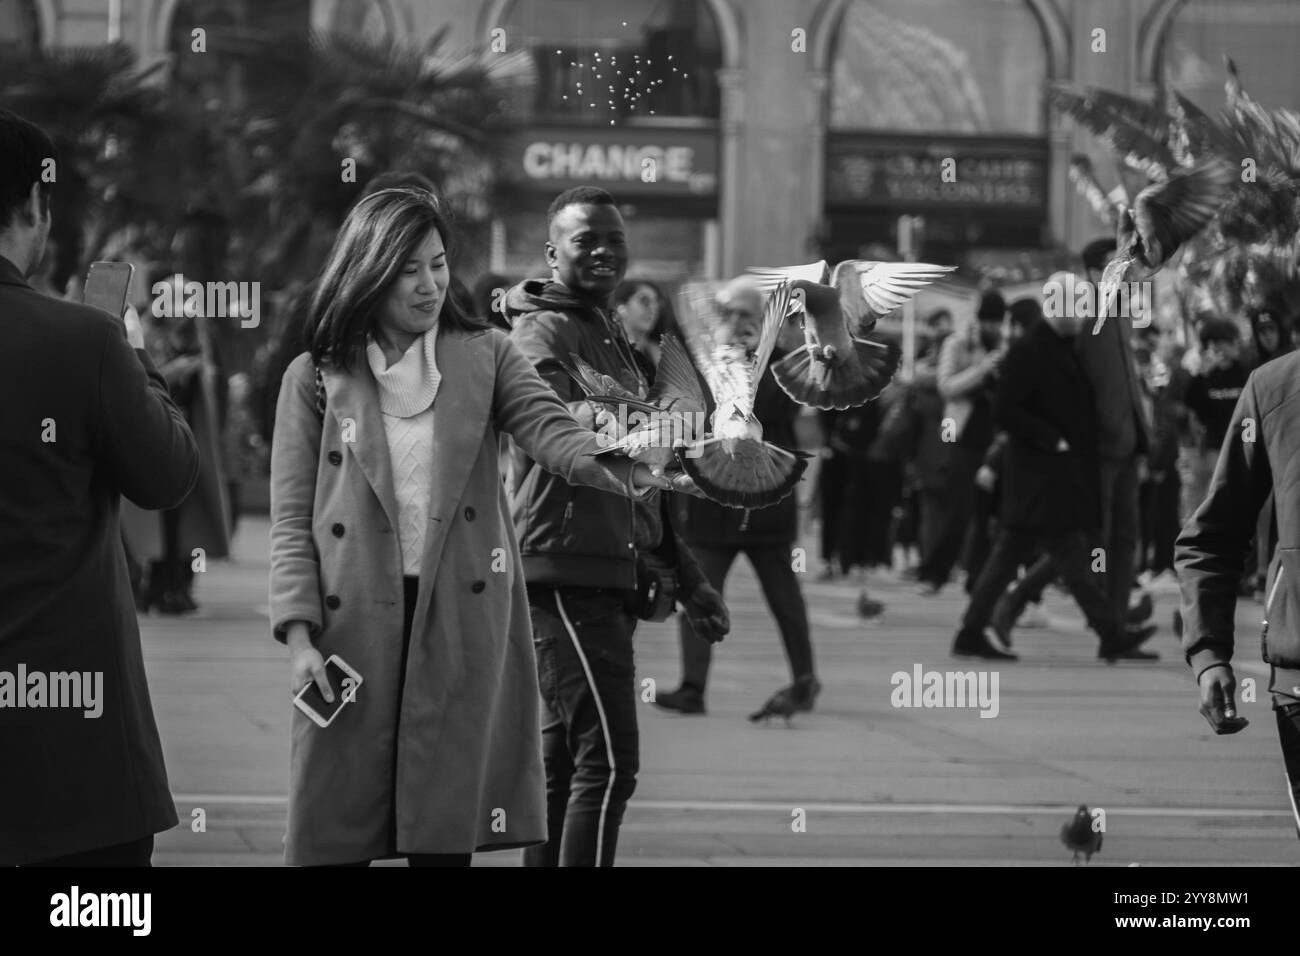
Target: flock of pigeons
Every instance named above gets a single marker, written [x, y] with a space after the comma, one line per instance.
[839, 366]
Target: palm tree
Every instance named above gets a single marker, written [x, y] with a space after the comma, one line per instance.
[103, 113]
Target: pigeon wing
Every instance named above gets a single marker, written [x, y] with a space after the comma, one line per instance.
[775, 309]
[770, 277]
[887, 285]
[1168, 214]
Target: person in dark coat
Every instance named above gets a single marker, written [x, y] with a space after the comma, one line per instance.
[968, 369]
[87, 420]
[717, 535]
[1050, 494]
[1259, 457]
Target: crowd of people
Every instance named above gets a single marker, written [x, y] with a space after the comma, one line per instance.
[486, 592]
[927, 480]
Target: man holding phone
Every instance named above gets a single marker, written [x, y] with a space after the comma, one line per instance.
[85, 418]
[1260, 454]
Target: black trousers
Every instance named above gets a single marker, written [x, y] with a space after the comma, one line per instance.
[586, 673]
[950, 514]
[1072, 557]
[135, 853]
[780, 584]
[1288, 735]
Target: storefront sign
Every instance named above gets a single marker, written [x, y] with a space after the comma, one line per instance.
[867, 170]
[627, 161]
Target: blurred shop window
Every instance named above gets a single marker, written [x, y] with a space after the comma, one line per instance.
[19, 26]
[953, 66]
[1261, 36]
[212, 80]
[603, 63]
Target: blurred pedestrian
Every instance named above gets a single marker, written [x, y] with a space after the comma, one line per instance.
[1161, 490]
[87, 422]
[1212, 395]
[638, 306]
[1050, 494]
[718, 535]
[392, 547]
[967, 376]
[489, 295]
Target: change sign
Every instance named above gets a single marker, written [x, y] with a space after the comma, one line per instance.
[630, 161]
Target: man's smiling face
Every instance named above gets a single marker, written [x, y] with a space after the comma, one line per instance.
[587, 250]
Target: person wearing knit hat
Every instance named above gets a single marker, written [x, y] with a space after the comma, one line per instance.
[967, 372]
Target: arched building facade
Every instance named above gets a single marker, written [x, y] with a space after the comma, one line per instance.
[811, 125]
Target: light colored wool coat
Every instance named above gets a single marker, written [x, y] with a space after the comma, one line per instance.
[460, 768]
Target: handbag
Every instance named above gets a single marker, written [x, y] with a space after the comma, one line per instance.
[655, 594]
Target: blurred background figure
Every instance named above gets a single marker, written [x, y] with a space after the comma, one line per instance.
[912, 435]
[1161, 488]
[489, 294]
[1211, 396]
[196, 380]
[717, 535]
[1023, 315]
[639, 309]
[967, 376]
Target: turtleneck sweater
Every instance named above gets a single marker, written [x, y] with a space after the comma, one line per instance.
[406, 393]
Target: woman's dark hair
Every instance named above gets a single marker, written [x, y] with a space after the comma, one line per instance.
[379, 235]
[628, 288]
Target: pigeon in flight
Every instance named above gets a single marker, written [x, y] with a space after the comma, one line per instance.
[732, 465]
[670, 412]
[838, 367]
[1162, 217]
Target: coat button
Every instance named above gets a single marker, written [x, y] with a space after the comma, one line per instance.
[332, 602]
[337, 529]
[335, 458]
[477, 587]
[469, 514]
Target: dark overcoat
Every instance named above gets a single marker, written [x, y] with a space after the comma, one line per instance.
[84, 420]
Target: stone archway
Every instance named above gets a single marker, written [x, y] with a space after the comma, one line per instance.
[729, 29]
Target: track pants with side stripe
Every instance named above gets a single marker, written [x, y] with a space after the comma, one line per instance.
[583, 642]
[1288, 733]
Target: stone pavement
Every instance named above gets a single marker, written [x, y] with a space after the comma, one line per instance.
[877, 784]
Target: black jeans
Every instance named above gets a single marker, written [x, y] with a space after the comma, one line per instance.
[1118, 537]
[951, 513]
[1072, 557]
[1288, 735]
[136, 853]
[780, 584]
[587, 676]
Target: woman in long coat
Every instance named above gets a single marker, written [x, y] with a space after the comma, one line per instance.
[385, 464]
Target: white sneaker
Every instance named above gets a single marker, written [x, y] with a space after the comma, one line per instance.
[1034, 616]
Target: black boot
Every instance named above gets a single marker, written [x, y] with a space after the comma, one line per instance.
[153, 585]
[175, 593]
